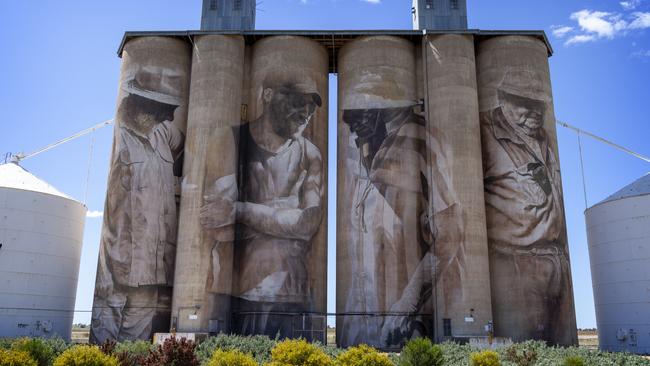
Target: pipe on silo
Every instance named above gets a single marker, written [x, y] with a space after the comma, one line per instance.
[451, 106]
[138, 241]
[204, 265]
[281, 255]
[532, 295]
[384, 247]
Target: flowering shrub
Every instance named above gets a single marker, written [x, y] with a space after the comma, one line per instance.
[231, 358]
[363, 355]
[38, 350]
[298, 352]
[259, 347]
[174, 352]
[485, 358]
[85, 356]
[421, 352]
[16, 358]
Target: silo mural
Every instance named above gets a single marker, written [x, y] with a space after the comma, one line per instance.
[388, 198]
[138, 241]
[204, 275]
[529, 260]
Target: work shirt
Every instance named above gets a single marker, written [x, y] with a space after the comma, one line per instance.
[138, 241]
[271, 256]
[523, 194]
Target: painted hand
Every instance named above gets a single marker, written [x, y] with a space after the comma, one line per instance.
[217, 214]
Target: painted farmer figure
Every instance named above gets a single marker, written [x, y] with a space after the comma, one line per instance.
[138, 244]
[526, 227]
[394, 216]
[278, 211]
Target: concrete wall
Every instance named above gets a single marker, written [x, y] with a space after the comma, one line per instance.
[463, 286]
[532, 295]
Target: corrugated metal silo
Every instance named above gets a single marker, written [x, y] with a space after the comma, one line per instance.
[41, 233]
[618, 231]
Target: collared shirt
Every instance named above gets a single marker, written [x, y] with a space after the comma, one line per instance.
[523, 193]
[138, 242]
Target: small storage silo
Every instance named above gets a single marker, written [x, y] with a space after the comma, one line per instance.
[41, 232]
[618, 231]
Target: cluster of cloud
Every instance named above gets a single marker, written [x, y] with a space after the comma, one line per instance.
[594, 25]
[94, 214]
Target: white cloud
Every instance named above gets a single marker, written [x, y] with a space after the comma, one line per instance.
[373, 1]
[94, 214]
[560, 31]
[641, 54]
[580, 38]
[630, 4]
[640, 20]
[594, 25]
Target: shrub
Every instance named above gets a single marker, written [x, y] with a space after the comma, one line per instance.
[485, 358]
[5, 343]
[38, 349]
[231, 358]
[84, 356]
[173, 352]
[257, 346]
[574, 361]
[363, 355]
[57, 344]
[521, 355]
[421, 352]
[16, 358]
[132, 353]
[299, 352]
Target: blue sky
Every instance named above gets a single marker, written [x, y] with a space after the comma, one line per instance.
[59, 73]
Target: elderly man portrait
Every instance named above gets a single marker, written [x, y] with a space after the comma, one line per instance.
[277, 210]
[523, 196]
[138, 242]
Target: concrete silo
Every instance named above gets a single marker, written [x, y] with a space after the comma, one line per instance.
[618, 231]
[41, 232]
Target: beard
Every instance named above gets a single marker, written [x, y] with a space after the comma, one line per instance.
[284, 122]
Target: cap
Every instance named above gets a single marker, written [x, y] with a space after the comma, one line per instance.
[525, 83]
[155, 83]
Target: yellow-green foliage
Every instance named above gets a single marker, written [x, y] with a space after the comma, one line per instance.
[16, 358]
[574, 361]
[231, 358]
[85, 356]
[298, 352]
[485, 358]
[38, 350]
[363, 355]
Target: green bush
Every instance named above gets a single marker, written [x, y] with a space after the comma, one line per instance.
[16, 358]
[259, 347]
[574, 361]
[173, 352]
[57, 344]
[231, 358]
[421, 352]
[5, 343]
[485, 358]
[299, 352]
[83, 355]
[39, 350]
[522, 354]
[363, 355]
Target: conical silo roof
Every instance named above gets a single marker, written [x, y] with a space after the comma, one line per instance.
[639, 187]
[14, 176]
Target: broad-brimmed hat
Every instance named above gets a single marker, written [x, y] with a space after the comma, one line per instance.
[155, 83]
[305, 86]
[525, 83]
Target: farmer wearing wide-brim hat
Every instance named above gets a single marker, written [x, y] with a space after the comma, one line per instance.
[138, 243]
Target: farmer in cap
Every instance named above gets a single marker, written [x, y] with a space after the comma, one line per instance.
[138, 242]
[278, 209]
[526, 229]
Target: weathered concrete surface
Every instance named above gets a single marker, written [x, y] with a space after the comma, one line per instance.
[138, 241]
[532, 295]
[451, 109]
[384, 257]
[287, 75]
[204, 275]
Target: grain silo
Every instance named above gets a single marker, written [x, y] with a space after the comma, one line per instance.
[41, 232]
[618, 231]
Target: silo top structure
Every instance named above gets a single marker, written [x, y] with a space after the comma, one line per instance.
[228, 15]
[439, 14]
